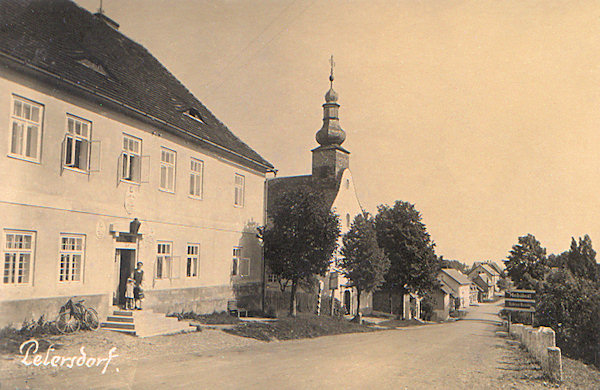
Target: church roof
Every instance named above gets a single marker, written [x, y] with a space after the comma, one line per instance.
[278, 187]
[62, 43]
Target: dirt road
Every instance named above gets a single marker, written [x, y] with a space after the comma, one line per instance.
[462, 355]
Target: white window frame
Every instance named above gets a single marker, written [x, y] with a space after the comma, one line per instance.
[19, 272]
[71, 245]
[168, 163]
[192, 263]
[84, 139]
[128, 156]
[239, 190]
[22, 139]
[164, 260]
[196, 189]
[240, 264]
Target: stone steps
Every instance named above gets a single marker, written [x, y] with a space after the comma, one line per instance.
[144, 323]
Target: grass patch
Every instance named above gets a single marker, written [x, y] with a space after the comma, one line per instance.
[12, 338]
[399, 323]
[303, 326]
[216, 318]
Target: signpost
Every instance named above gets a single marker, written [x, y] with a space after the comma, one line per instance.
[519, 301]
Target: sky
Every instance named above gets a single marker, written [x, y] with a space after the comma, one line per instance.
[484, 114]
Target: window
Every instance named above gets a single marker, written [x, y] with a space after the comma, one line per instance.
[241, 266]
[193, 254]
[239, 190]
[18, 256]
[163, 260]
[272, 278]
[76, 146]
[347, 184]
[131, 160]
[196, 173]
[26, 127]
[167, 170]
[71, 257]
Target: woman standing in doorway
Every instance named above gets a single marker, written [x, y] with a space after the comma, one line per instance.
[138, 293]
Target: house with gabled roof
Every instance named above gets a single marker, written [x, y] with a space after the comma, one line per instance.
[332, 179]
[489, 271]
[108, 160]
[460, 285]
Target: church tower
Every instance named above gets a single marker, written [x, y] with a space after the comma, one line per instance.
[329, 159]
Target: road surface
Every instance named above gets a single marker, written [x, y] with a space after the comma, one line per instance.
[465, 354]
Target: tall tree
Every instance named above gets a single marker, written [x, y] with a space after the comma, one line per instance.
[363, 262]
[405, 240]
[526, 262]
[300, 238]
[581, 259]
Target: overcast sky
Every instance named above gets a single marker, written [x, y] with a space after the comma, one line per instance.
[484, 114]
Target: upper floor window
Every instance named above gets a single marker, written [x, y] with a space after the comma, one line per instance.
[167, 170]
[196, 174]
[18, 256]
[26, 129]
[239, 190]
[348, 220]
[76, 146]
[131, 159]
[193, 257]
[347, 184]
[72, 248]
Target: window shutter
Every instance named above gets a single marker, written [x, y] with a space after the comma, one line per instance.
[175, 267]
[144, 169]
[119, 168]
[63, 154]
[95, 148]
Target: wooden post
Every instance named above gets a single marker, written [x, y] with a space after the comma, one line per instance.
[509, 320]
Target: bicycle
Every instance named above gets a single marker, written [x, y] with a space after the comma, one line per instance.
[73, 315]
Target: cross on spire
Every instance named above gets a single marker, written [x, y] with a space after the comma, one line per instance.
[331, 74]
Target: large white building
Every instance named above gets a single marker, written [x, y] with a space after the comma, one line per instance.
[97, 133]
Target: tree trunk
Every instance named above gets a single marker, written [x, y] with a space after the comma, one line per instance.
[293, 298]
[390, 299]
[357, 302]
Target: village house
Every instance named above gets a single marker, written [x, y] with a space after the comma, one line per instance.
[489, 270]
[486, 288]
[108, 160]
[442, 302]
[459, 284]
[332, 179]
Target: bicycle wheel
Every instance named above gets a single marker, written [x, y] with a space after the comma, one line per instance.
[90, 318]
[66, 322]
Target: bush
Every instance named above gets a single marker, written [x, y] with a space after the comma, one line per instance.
[571, 306]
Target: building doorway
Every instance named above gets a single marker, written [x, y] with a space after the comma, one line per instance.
[124, 266]
[348, 301]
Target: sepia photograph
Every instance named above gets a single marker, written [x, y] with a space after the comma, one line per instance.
[300, 194]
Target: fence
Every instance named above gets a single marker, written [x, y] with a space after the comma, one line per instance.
[541, 343]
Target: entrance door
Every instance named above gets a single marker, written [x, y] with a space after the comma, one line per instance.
[347, 301]
[124, 264]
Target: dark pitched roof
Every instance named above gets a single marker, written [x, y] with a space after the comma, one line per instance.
[278, 187]
[458, 276]
[60, 39]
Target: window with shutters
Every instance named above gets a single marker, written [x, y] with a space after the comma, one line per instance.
[26, 129]
[131, 159]
[239, 190]
[19, 248]
[77, 145]
[196, 177]
[72, 251]
[167, 170]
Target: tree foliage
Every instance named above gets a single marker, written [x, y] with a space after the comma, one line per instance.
[526, 262]
[406, 242]
[363, 262]
[581, 259]
[300, 238]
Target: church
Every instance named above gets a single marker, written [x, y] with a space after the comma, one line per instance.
[331, 177]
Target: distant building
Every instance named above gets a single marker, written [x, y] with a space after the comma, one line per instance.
[485, 285]
[98, 134]
[332, 179]
[489, 271]
[460, 285]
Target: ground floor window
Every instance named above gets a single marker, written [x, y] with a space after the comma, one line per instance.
[193, 254]
[18, 256]
[163, 260]
[241, 266]
[71, 257]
